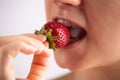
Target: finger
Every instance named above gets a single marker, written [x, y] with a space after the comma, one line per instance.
[9, 52]
[21, 79]
[34, 42]
[46, 43]
[6, 67]
[39, 66]
[12, 47]
[42, 38]
[23, 37]
[23, 47]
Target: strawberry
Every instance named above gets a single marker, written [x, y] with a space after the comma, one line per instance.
[58, 34]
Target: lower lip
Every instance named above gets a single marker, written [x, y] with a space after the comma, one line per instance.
[74, 44]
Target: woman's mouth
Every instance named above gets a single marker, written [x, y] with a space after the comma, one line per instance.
[77, 32]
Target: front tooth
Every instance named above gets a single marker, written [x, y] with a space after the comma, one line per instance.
[67, 23]
[60, 20]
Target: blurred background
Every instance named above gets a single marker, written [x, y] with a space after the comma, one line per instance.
[25, 16]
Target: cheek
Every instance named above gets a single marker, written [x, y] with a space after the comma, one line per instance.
[49, 5]
[104, 29]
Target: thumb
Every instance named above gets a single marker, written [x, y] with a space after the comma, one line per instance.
[39, 66]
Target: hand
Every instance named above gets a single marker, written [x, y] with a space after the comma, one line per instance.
[28, 44]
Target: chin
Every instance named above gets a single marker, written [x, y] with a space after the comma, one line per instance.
[73, 63]
[74, 67]
[75, 60]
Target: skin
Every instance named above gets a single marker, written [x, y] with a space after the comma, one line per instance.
[101, 47]
[27, 44]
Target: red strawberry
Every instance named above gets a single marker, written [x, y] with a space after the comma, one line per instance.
[57, 34]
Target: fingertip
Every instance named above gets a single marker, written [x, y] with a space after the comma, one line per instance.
[46, 52]
[46, 43]
[42, 38]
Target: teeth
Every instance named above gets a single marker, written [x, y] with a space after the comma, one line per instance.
[60, 20]
[67, 23]
[64, 22]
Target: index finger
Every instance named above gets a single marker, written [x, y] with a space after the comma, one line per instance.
[42, 38]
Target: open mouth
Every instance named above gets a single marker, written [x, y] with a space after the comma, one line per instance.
[77, 32]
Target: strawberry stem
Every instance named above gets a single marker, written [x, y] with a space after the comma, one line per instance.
[50, 37]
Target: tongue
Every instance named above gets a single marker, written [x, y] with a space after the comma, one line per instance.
[77, 33]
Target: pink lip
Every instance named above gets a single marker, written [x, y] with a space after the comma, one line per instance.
[74, 44]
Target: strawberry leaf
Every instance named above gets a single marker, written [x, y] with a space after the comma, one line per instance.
[50, 38]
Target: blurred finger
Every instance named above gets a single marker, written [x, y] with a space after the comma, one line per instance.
[21, 79]
[46, 43]
[39, 66]
[42, 38]
[9, 52]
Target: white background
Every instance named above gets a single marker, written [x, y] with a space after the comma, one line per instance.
[25, 16]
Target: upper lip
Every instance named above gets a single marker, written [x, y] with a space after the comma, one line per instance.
[71, 21]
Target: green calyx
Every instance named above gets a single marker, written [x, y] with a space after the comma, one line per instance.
[50, 38]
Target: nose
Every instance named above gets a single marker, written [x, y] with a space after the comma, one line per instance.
[69, 2]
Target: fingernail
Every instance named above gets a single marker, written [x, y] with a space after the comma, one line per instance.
[44, 38]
